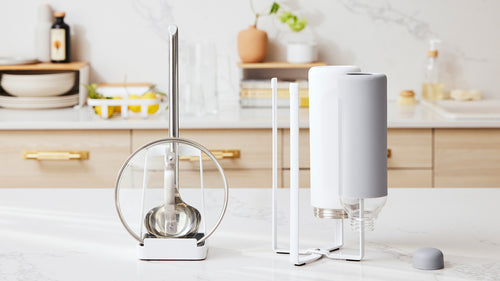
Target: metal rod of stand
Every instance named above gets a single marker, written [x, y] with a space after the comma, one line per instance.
[274, 87]
[361, 228]
[294, 174]
[173, 122]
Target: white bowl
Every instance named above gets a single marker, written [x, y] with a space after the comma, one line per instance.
[38, 85]
[301, 52]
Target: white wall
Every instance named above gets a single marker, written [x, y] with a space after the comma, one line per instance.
[128, 38]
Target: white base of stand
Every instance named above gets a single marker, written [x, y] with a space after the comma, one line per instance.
[171, 249]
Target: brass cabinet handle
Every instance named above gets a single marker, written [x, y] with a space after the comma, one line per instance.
[389, 153]
[219, 154]
[56, 155]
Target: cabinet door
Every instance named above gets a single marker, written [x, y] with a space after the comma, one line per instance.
[409, 162]
[409, 159]
[251, 169]
[467, 158]
[106, 151]
[409, 148]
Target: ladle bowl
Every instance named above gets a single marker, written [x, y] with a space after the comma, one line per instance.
[186, 222]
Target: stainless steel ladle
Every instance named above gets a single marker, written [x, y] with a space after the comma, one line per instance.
[174, 218]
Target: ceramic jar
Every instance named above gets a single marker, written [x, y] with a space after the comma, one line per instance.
[252, 45]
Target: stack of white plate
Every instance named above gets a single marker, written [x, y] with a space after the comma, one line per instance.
[38, 103]
[38, 91]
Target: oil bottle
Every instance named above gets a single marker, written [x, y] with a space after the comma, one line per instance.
[60, 40]
[432, 88]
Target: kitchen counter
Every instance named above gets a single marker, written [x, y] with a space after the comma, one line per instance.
[253, 118]
[75, 234]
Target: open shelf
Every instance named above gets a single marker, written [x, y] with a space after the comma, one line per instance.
[46, 66]
[278, 65]
[81, 69]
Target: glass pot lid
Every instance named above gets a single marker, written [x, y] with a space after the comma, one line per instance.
[148, 191]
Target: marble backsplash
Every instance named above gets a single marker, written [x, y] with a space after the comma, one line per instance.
[128, 39]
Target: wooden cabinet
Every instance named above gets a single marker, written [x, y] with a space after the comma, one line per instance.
[418, 157]
[106, 151]
[467, 157]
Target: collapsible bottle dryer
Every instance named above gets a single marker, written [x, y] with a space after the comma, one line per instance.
[348, 146]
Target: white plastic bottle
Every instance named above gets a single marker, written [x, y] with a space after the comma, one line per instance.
[324, 118]
[42, 33]
[432, 88]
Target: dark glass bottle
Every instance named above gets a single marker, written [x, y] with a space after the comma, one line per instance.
[60, 40]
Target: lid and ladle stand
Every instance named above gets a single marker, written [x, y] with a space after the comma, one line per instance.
[147, 196]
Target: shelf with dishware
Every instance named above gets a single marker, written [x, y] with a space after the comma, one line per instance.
[43, 85]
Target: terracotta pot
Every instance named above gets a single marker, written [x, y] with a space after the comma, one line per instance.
[252, 45]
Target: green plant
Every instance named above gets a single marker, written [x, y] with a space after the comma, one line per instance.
[93, 94]
[295, 23]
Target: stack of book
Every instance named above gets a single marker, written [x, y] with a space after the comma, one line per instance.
[258, 93]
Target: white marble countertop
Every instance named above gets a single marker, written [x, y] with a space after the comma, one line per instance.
[75, 234]
[252, 118]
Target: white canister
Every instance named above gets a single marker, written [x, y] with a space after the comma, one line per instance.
[42, 33]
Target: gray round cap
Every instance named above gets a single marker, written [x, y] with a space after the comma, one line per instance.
[428, 259]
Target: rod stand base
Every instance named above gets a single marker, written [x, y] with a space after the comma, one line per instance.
[171, 249]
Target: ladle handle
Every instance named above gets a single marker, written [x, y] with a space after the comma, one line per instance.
[173, 131]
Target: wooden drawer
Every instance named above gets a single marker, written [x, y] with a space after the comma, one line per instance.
[409, 178]
[254, 145]
[107, 152]
[467, 158]
[235, 178]
[396, 178]
[409, 148]
[304, 155]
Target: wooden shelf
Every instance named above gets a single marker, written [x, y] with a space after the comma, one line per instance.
[278, 65]
[46, 66]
